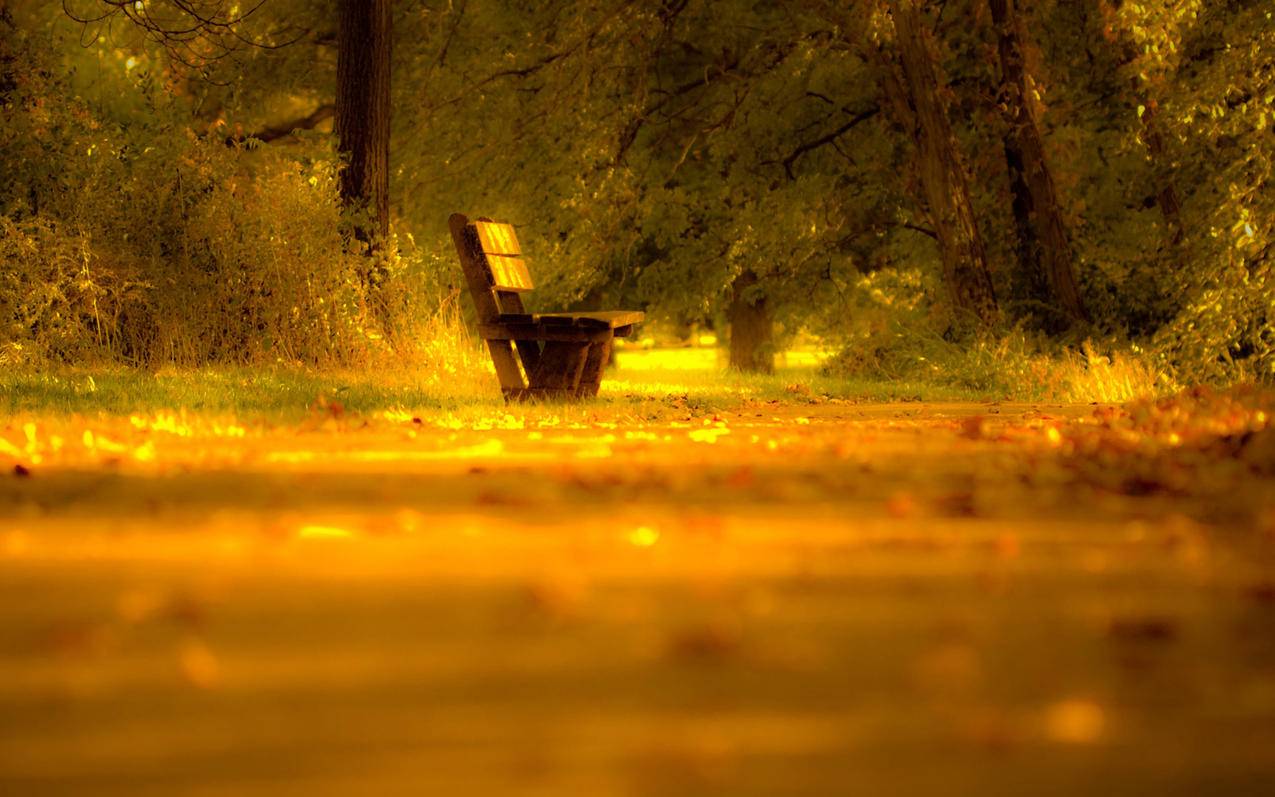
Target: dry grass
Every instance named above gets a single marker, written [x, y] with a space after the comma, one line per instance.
[1089, 376]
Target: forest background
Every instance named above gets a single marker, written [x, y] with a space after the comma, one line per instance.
[964, 191]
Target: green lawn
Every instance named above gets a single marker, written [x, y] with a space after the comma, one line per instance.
[644, 382]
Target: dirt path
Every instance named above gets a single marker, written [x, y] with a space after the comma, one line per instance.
[819, 598]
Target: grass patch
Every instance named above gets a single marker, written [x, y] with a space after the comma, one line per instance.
[646, 385]
[275, 393]
[1013, 367]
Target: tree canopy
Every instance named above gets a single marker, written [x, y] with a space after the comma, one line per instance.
[879, 173]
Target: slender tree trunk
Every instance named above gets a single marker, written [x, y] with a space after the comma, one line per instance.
[752, 330]
[8, 61]
[914, 91]
[363, 113]
[1044, 248]
[1167, 197]
[1166, 191]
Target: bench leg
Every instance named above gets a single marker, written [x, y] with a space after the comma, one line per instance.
[557, 375]
[502, 356]
[529, 353]
[594, 364]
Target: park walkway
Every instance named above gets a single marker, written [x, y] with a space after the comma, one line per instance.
[786, 598]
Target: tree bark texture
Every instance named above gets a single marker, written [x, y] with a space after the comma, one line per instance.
[363, 112]
[8, 60]
[1045, 254]
[1166, 191]
[752, 329]
[912, 83]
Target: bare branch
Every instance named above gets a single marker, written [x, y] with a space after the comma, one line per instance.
[194, 33]
[829, 138]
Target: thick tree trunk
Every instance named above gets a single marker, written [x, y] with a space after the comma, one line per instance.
[752, 330]
[1044, 247]
[363, 113]
[915, 94]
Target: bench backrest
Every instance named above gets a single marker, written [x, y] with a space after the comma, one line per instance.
[504, 256]
[495, 269]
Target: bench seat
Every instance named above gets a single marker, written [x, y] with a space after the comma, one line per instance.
[541, 332]
[605, 319]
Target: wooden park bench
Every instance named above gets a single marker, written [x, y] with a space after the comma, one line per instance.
[560, 355]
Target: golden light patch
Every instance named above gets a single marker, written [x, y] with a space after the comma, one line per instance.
[10, 449]
[643, 537]
[315, 532]
[1075, 721]
[198, 664]
[168, 422]
[14, 543]
[709, 435]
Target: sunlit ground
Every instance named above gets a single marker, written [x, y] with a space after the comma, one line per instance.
[708, 358]
[701, 583]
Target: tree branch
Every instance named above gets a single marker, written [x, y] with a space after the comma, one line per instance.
[273, 132]
[923, 230]
[830, 138]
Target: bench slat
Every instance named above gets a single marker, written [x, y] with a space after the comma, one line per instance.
[604, 318]
[497, 238]
[509, 273]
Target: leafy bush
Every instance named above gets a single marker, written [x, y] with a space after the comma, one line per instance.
[58, 300]
[133, 237]
[1013, 367]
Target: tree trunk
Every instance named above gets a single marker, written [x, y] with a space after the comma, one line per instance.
[912, 87]
[1166, 192]
[1044, 248]
[752, 330]
[363, 114]
[8, 59]
[1167, 197]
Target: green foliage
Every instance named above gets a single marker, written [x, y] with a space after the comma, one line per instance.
[270, 393]
[642, 388]
[1156, 100]
[1014, 366]
[1219, 108]
[895, 339]
[127, 234]
[650, 153]
[58, 301]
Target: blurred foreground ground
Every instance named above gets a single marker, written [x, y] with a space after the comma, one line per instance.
[810, 596]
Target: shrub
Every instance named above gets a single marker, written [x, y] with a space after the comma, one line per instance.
[128, 235]
[59, 302]
[1013, 366]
